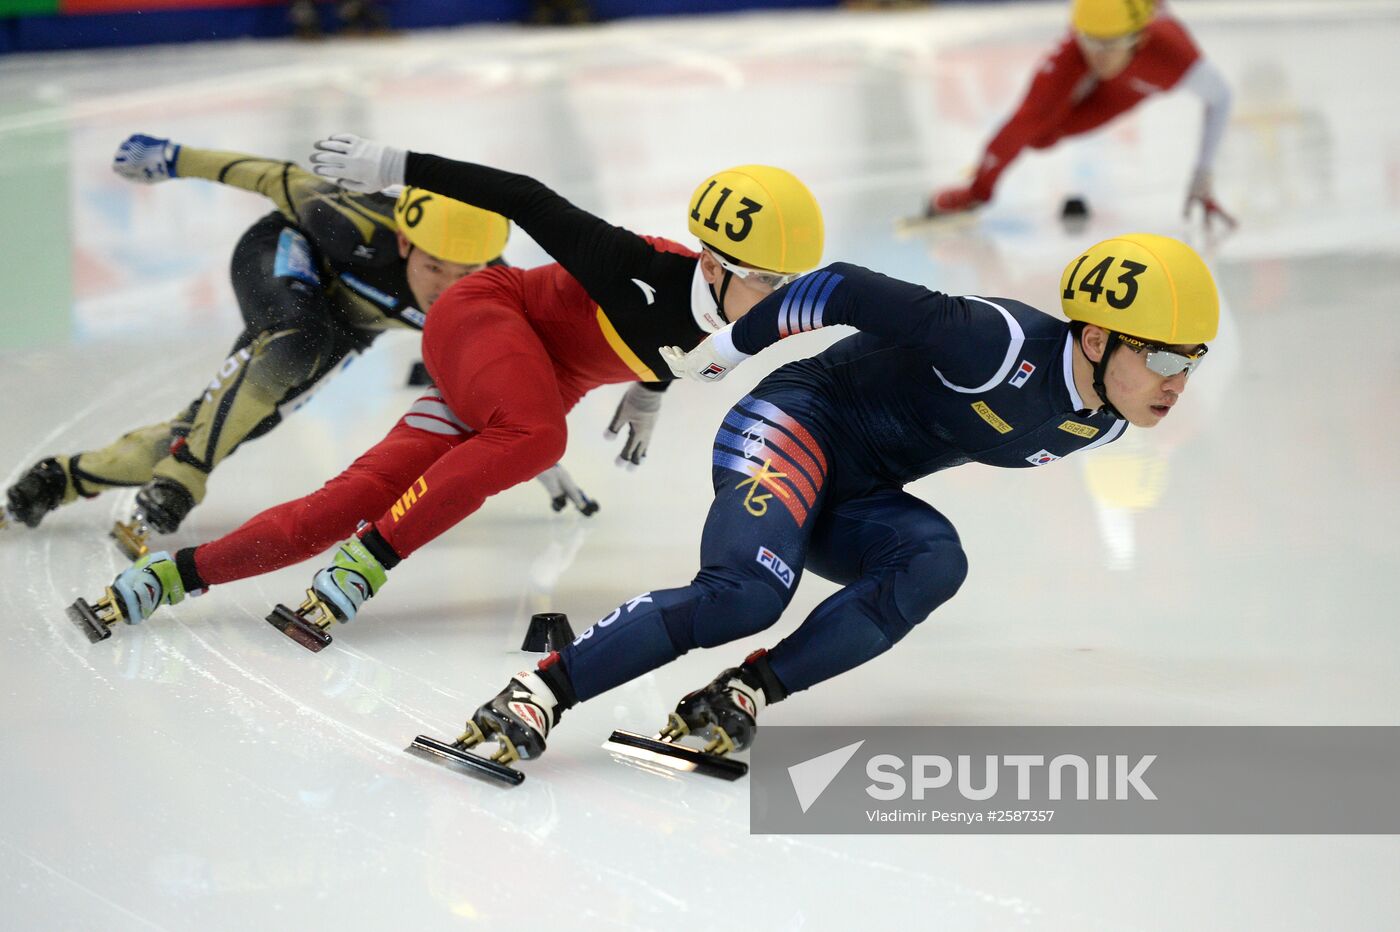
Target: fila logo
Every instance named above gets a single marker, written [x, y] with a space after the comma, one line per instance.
[1022, 373]
[647, 290]
[776, 566]
[397, 510]
[713, 371]
[1041, 458]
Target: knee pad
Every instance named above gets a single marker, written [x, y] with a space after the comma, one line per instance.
[735, 606]
[538, 445]
[288, 356]
[932, 576]
[550, 441]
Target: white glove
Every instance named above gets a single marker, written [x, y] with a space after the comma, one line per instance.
[146, 159]
[708, 362]
[1202, 192]
[358, 164]
[563, 490]
[638, 409]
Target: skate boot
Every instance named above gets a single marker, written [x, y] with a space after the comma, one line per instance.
[137, 591]
[161, 505]
[522, 715]
[725, 713]
[359, 570]
[519, 720]
[948, 208]
[37, 493]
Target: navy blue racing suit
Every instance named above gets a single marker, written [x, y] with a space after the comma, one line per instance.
[809, 471]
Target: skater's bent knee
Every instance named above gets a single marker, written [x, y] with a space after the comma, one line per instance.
[538, 445]
[734, 608]
[932, 577]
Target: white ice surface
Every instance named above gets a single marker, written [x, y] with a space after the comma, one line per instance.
[1238, 565]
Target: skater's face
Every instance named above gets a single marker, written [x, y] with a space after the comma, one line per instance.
[429, 276]
[1107, 57]
[1140, 394]
[743, 291]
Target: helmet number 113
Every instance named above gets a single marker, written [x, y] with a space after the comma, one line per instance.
[744, 215]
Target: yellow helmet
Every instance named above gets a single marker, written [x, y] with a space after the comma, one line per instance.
[450, 230]
[1111, 19]
[760, 215]
[1151, 287]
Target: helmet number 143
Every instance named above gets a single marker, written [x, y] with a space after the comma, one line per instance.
[1092, 283]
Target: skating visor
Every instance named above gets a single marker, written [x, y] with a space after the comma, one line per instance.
[758, 278]
[1162, 360]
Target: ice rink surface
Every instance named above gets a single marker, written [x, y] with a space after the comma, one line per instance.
[1237, 565]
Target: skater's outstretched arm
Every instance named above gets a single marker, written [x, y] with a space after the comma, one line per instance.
[1206, 82]
[588, 247]
[340, 223]
[151, 159]
[1048, 101]
[953, 329]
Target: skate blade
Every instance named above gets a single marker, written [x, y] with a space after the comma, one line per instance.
[85, 617]
[922, 224]
[675, 756]
[298, 629]
[131, 537]
[455, 757]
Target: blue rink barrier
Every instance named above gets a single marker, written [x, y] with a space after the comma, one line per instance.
[97, 30]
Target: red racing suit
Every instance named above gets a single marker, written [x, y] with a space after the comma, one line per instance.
[510, 351]
[1065, 99]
